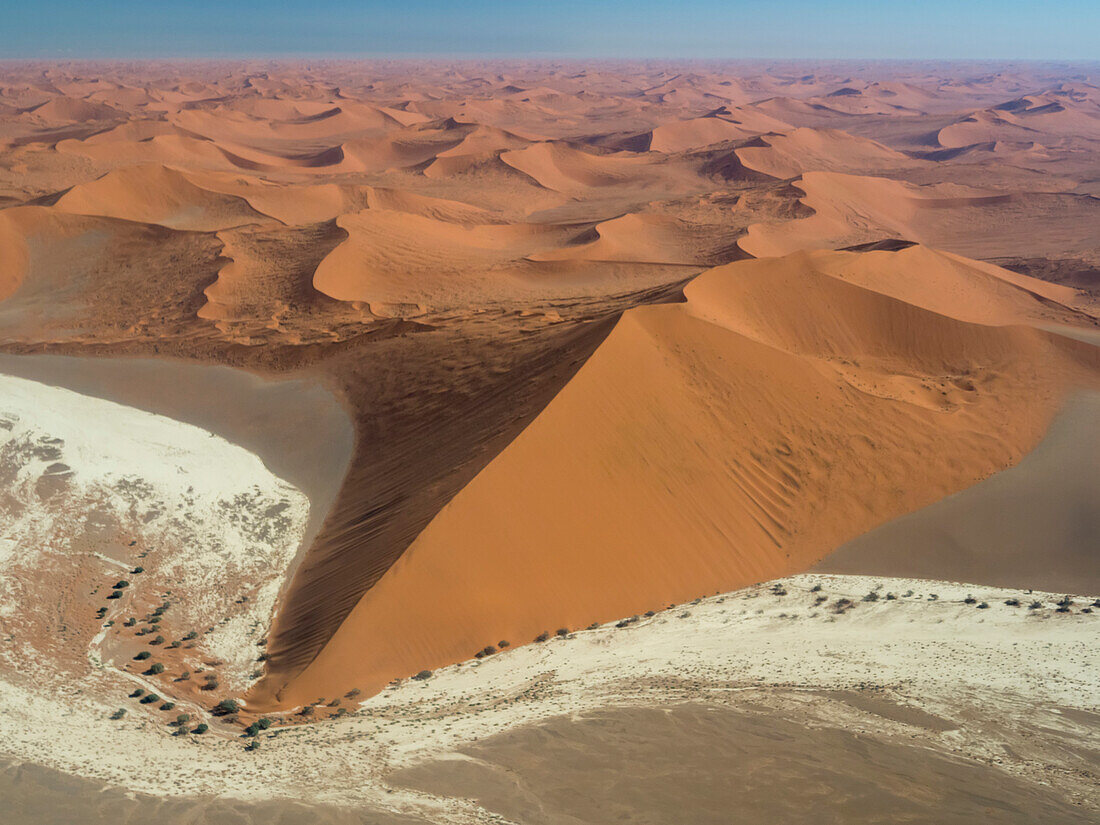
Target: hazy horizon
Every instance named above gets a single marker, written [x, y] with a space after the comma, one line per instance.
[613, 29]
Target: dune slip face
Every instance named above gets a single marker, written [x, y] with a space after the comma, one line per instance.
[319, 376]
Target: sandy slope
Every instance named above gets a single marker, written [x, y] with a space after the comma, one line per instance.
[447, 246]
[734, 438]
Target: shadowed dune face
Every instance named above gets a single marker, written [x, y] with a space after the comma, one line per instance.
[704, 446]
[452, 250]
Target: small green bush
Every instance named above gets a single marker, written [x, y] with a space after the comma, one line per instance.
[155, 670]
[118, 714]
[422, 675]
[137, 693]
[145, 654]
[542, 637]
[138, 569]
[121, 584]
[201, 728]
[226, 706]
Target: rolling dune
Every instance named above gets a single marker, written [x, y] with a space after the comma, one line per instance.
[704, 446]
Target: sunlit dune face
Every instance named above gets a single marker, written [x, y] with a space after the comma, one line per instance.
[575, 395]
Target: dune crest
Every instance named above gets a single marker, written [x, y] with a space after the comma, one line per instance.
[731, 439]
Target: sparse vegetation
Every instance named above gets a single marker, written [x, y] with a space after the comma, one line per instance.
[983, 606]
[159, 640]
[842, 606]
[145, 654]
[422, 675]
[137, 693]
[1012, 602]
[1035, 605]
[182, 720]
[137, 570]
[542, 637]
[871, 597]
[115, 594]
[969, 599]
[264, 723]
[118, 714]
[563, 632]
[155, 669]
[226, 707]
[149, 699]
[816, 588]
[121, 583]
[130, 622]
[191, 634]
[201, 728]
[168, 706]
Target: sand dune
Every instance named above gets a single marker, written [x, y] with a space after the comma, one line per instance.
[851, 209]
[819, 150]
[742, 400]
[485, 263]
[157, 194]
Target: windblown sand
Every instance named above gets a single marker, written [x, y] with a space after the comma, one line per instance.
[528, 347]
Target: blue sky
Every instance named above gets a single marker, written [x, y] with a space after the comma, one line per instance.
[700, 29]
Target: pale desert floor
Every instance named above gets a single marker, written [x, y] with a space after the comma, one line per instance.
[315, 376]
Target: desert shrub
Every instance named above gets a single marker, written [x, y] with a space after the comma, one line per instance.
[155, 669]
[1012, 602]
[182, 719]
[908, 593]
[154, 619]
[422, 675]
[137, 693]
[130, 622]
[201, 728]
[252, 730]
[542, 637]
[159, 640]
[118, 714]
[174, 645]
[821, 600]
[983, 606]
[779, 590]
[191, 634]
[562, 631]
[145, 654]
[262, 657]
[121, 583]
[1096, 603]
[149, 699]
[308, 709]
[932, 597]
[115, 594]
[1062, 609]
[871, 597]
[488, 650]
[843, 605]
[1035, 605]
[226, 706]
[264, 723]
[183, 677]
[351, 694]
[891, 597]
[211, 684]
[1065, 601]
[254, 745]
[816, 588]
[138, 569]
[168, 706]
[969, 599]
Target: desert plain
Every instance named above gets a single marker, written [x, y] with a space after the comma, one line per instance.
[557, 443]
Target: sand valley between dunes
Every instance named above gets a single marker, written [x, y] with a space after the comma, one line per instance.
[466, 439]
